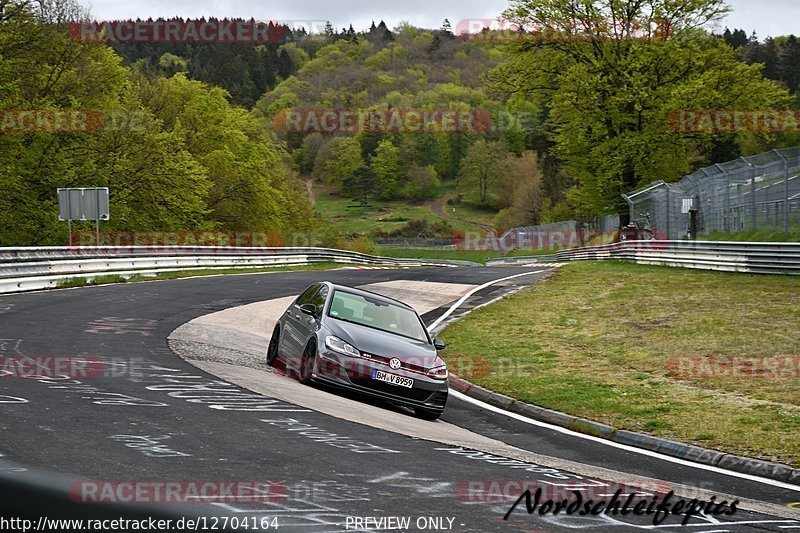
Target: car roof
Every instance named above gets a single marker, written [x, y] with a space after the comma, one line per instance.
[369, 294]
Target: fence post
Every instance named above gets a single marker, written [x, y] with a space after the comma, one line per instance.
[669, 216]
[631, 210]
[726, 217]
[716, 225]
[752, 192]
[785, 191]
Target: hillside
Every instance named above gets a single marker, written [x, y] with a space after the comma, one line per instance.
[499, 128]
[406, 71]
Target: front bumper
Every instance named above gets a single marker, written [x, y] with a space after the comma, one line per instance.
[355, 373]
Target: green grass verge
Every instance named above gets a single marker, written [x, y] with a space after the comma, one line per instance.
[596, 341]
[176, 274]
[83, 282]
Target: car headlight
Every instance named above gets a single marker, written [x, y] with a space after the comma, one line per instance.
[338, 345]
[439, 371]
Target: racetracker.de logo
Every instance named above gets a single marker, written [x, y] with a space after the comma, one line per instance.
[178, 492]
[220, 239]
[559, 31]
[50, 121]
[736, 367]
[183, 31]
[52, 367]
[352, 121]
[728, 121]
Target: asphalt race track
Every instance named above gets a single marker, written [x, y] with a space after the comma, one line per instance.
[148, 423]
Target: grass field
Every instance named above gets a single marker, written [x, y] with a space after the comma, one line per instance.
[350, 217]
[617, 343]
[466, 210]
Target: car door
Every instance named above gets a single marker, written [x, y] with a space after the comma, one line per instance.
[307, 324]
[294, 325]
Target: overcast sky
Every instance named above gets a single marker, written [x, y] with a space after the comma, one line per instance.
[767, 17]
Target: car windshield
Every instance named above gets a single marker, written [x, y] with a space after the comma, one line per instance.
[377, 314]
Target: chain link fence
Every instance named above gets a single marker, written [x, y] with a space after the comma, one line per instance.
[559, 234]
[761, 192]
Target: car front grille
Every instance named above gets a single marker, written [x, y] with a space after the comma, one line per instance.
[403, 364]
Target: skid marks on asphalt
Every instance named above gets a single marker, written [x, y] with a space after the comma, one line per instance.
[216, 394]
[114, 325]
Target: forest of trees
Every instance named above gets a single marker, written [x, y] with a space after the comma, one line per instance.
[190, 140]
[413, 68]
[174, 151]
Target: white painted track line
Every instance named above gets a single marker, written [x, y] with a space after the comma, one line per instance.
[473, 291]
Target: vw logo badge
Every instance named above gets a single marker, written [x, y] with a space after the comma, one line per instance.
[394, 362]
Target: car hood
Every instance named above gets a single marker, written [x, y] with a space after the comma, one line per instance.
[377, 342]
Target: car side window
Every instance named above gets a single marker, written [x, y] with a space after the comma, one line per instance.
[305, 298]
[318, 299]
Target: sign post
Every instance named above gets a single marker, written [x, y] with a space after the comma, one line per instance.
[83, 204]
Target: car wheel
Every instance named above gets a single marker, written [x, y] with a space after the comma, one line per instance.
[427, 414]
[307, 363]
[272, 349]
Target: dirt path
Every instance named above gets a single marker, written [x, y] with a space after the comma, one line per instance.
[312, 196]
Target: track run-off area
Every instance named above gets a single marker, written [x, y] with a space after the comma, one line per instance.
[191, 399]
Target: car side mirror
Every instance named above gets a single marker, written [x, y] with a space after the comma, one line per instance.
[309, 309]
[439, 344]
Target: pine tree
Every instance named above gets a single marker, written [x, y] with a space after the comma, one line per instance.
[791, 63]
[771, 59]
[447, 29]
[285, 64]
[384, 32]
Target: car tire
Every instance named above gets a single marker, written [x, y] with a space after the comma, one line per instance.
[427, 414]
[272, 349]
[307, 363]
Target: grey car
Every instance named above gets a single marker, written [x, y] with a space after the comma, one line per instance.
[362, 341]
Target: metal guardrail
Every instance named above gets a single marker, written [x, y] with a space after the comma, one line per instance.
[30, 268]
[749, 257]
[520, 260]
[418, 243]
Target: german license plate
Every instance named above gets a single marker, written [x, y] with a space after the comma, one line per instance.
[392, 379]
